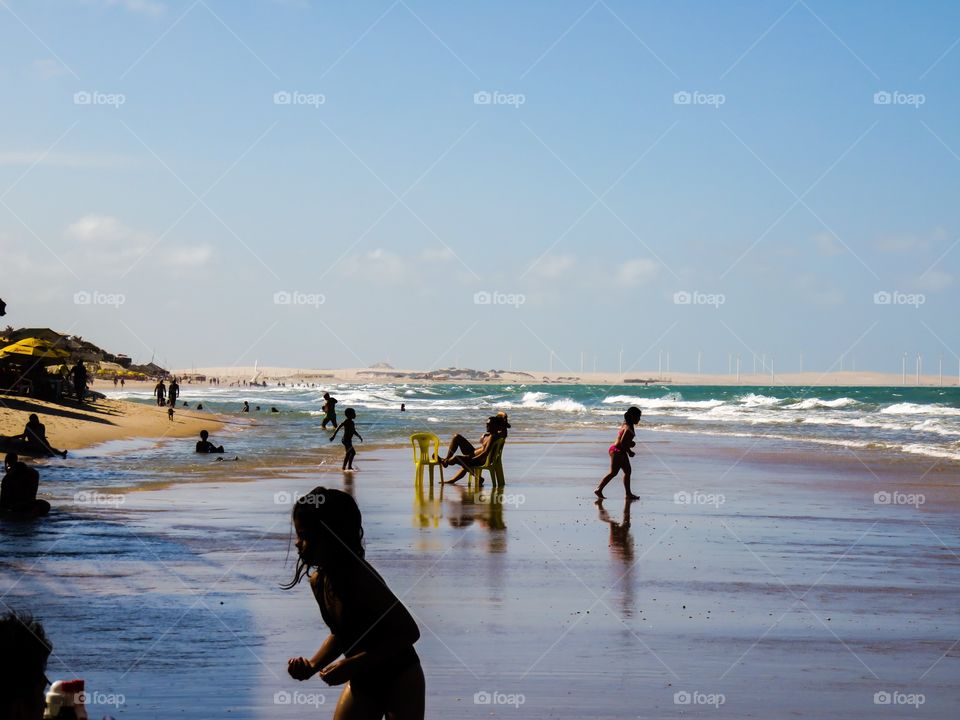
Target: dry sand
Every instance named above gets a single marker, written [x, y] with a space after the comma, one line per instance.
[71, 426]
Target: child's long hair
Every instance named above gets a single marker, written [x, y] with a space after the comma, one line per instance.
[329, 518]
[633, 415]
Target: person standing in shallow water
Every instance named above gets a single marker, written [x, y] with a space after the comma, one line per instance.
[620, 453]
[330, 411]
[369, 626]
[349, 428]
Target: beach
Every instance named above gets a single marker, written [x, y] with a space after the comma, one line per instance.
[756, 577]
[71, 426]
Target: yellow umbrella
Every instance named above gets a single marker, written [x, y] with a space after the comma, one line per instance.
[34, 349]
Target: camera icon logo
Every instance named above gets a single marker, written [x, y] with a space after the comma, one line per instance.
[282, 697]
[82, 97]
[482, 297]
[682, 498]
[82, 298]
[482, 698]
[682, 698]
[682, 98]
[882, 498]
[882, 98]
[882, 697]
[682, 298]
[282, 297]
[882, 298]
[282, 498]
[482, 98]
[282, 97]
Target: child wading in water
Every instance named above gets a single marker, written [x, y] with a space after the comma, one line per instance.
[349, 430]
[368, 624]
[621, 452]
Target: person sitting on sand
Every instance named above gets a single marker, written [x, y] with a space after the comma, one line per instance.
[369, 626]
[329, 408]
[471, 456]
[349, 430]
[18, 489]
[34, 439]
[621, 452]
[23, 665]
[205, 446]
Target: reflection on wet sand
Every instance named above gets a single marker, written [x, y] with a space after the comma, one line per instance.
[465, 506]
[621, 549]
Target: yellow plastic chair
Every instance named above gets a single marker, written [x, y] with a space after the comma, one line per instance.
[423, 456]
[493, 464]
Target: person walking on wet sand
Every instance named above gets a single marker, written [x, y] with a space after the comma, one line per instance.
[329, 408]
[160, 391]
[349, 430]
[173, 392]
[621, 452]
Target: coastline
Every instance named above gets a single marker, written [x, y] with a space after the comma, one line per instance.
[399, 376]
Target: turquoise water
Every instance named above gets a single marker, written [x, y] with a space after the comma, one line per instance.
[916, 421]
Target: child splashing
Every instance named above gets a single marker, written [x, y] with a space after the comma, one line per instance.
[349, 428]
[621, 452]
[369, 626]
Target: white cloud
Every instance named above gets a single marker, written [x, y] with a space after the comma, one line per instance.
[183, 256]
[441, 254]
[637, 271]
[108, 243]
[49, 68]
[64, 160]
[141, 7]
[935, 280]
[827, 244]
[553, 266]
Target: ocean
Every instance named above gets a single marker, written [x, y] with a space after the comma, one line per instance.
[921, 421]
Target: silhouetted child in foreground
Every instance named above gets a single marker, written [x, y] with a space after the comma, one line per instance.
[349, 430]
[621, 452]
[369, 626]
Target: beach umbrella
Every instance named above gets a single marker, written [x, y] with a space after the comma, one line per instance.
[34, 350]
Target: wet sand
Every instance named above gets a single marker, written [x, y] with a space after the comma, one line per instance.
[777, 586]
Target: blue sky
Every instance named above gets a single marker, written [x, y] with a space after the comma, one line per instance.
[158, 195]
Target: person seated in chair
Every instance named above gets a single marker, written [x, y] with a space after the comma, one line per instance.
[18, 489]
[205, 446]
[473, 457]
